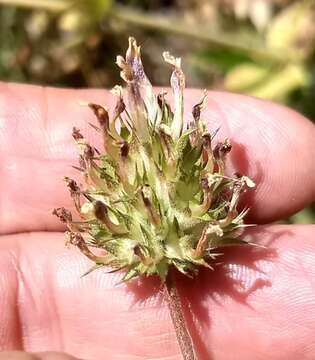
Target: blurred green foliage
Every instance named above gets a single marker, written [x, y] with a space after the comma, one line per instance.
[263, 48]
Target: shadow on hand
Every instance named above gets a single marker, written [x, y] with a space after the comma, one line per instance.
[239, 272]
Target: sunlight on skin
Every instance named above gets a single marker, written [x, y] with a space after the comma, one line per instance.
[15, 355]
[37, 150]
[265, 296]
[258, 305]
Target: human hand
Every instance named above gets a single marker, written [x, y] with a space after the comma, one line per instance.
[255, 306]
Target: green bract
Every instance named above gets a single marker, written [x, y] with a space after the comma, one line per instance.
[157, 196]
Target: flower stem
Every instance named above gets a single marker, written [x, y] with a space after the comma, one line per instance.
[51, 5]
[176, 310]
[177, 27]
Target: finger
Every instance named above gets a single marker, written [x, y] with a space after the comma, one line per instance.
[271, 144]
[20, 355]
[259, 305]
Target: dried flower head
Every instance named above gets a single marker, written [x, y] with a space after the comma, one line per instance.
[157, 196]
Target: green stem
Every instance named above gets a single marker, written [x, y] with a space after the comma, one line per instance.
[169, 26]
[172, 26]
[176, 311]
[51, 5]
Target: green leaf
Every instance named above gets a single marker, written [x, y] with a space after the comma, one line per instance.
[181, 144]
[245, 76]
[107, 169]
[95, 9]
[267, 83]
[133, 271]
[93, 268]
[224, 59]
[288, 28]
[282, 83]
[162, 269]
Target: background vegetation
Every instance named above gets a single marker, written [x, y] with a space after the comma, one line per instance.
[264, 48]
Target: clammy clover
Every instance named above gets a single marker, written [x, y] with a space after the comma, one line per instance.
[155, 199]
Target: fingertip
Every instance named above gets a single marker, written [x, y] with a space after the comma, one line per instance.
[273, 145]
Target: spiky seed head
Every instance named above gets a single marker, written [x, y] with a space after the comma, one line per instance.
[156, 197]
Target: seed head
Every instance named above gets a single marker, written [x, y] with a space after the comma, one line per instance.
[157, 196]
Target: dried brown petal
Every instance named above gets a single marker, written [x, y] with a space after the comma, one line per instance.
[63, 214]
[76, 134]
[101, 114]
[178, 85]
[142, 100]
[200, 106]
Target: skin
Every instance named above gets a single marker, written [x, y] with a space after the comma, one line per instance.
[258, 304]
